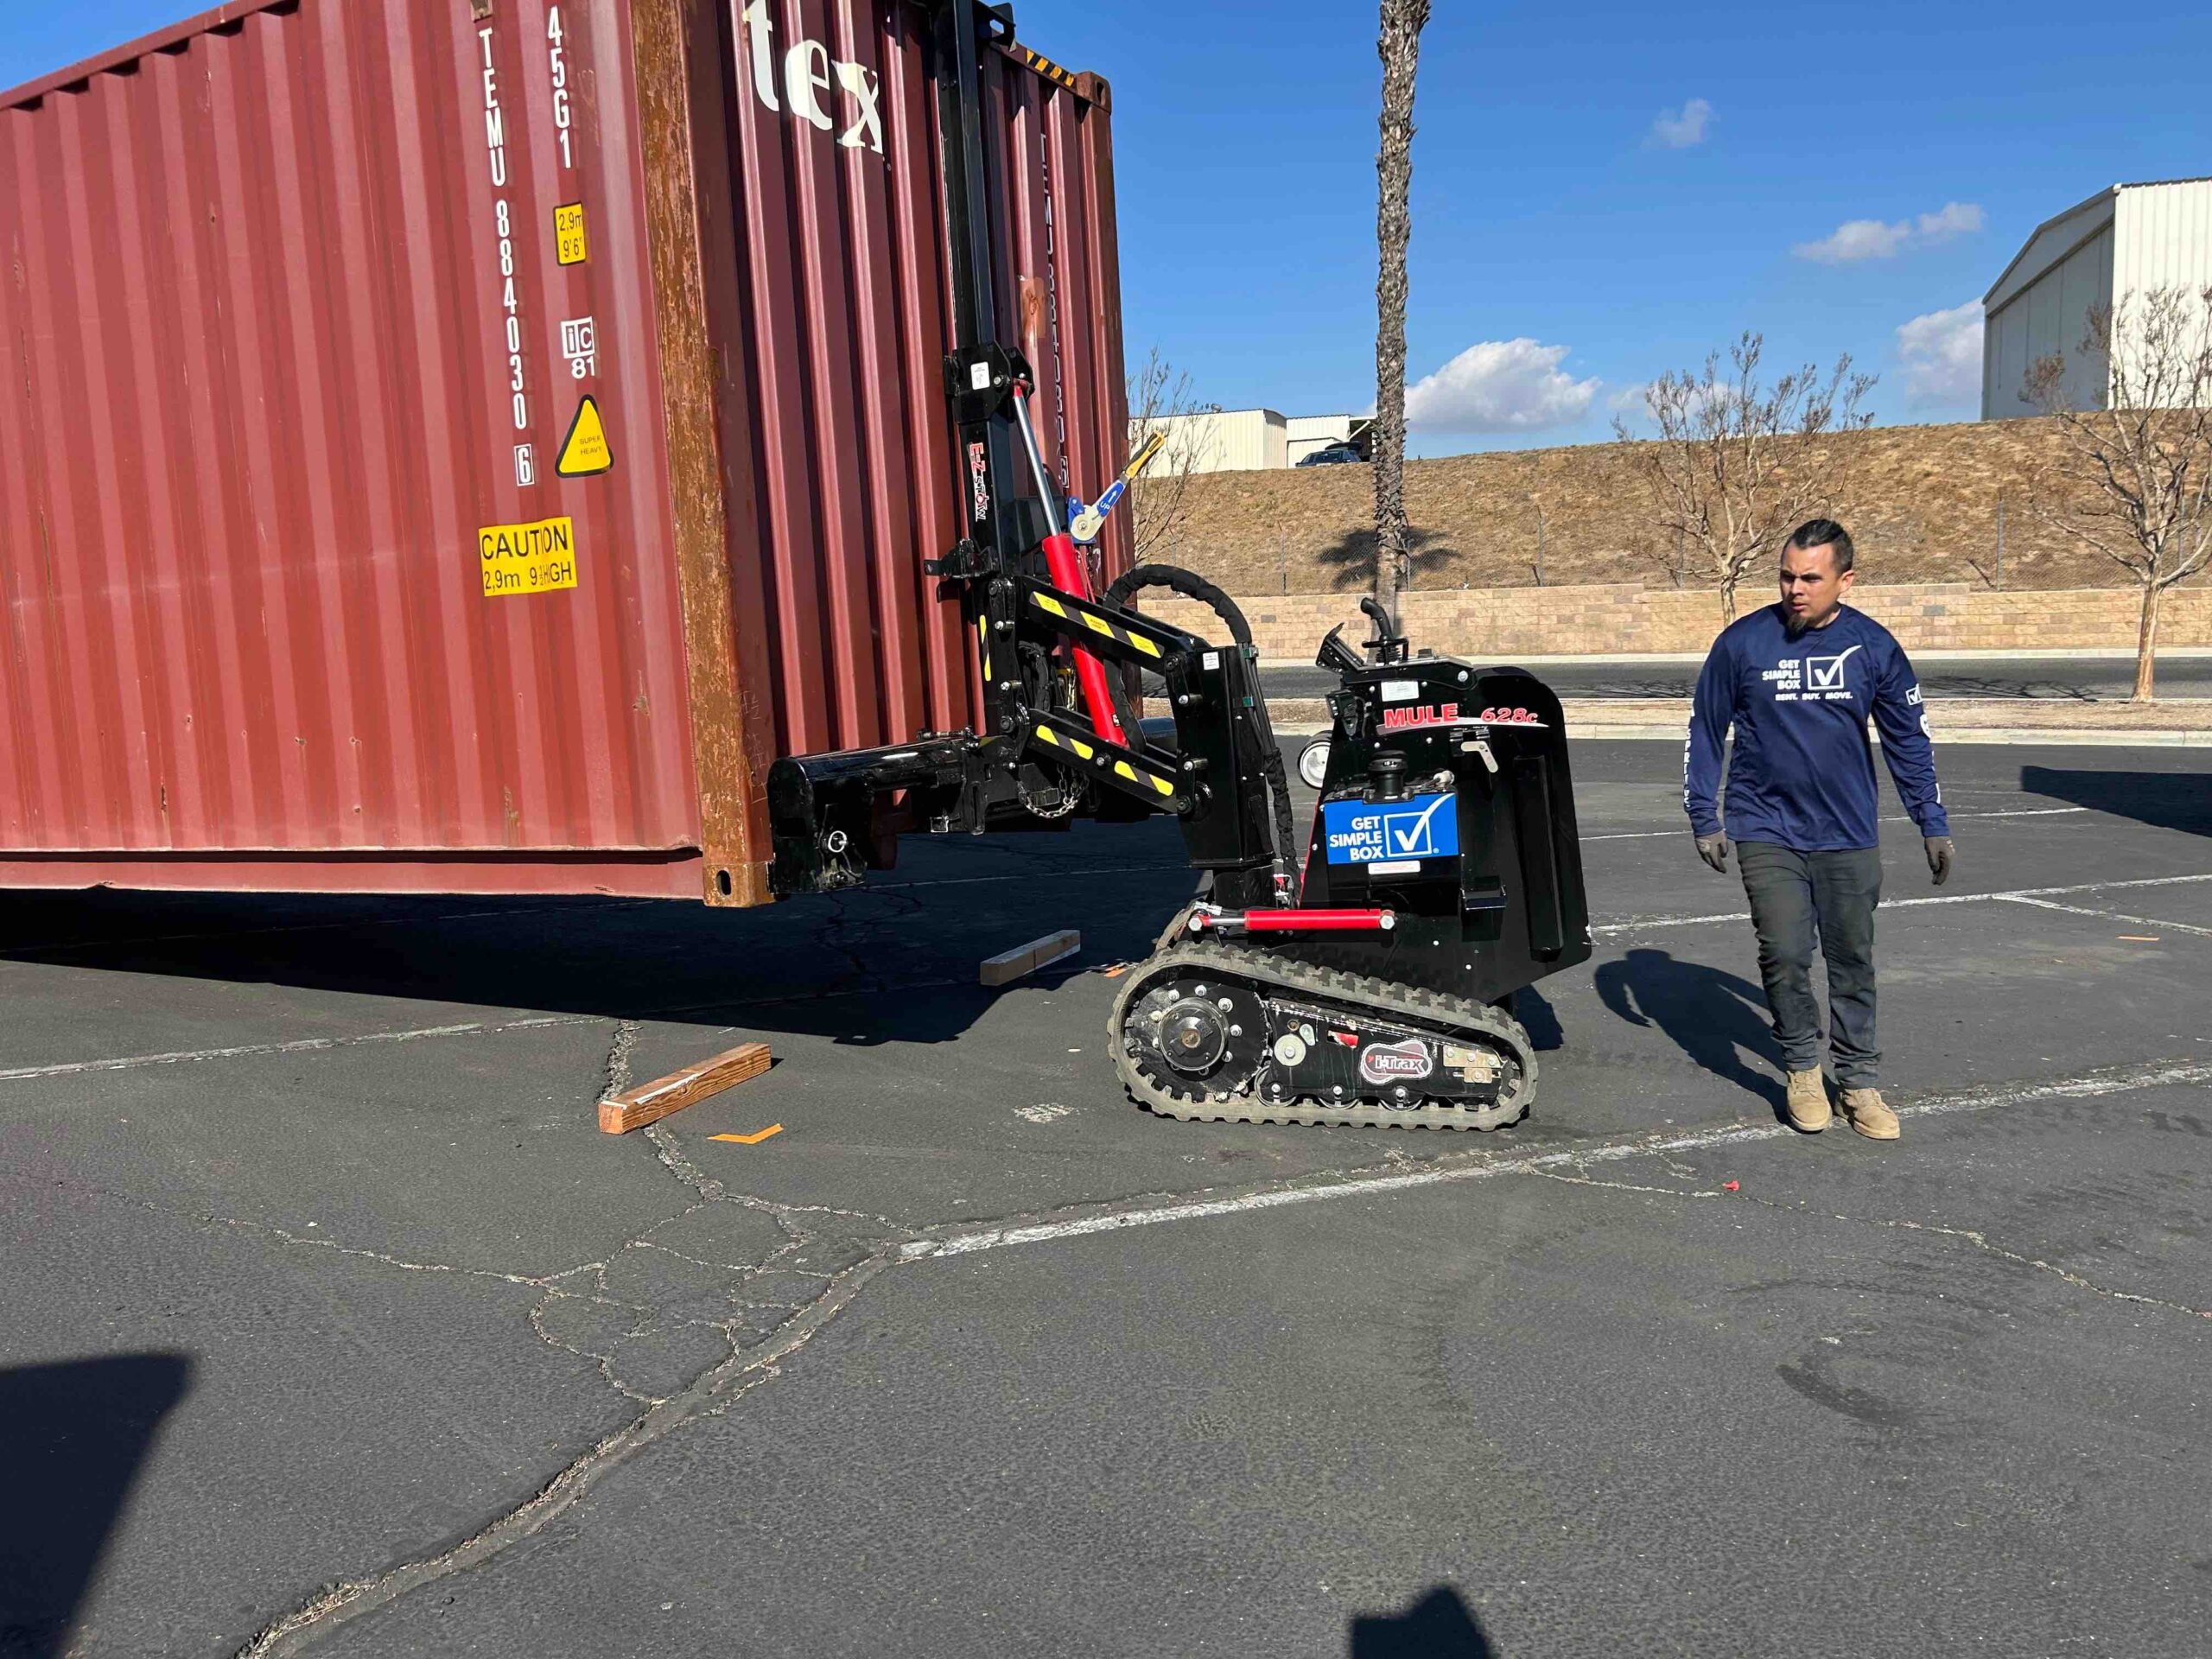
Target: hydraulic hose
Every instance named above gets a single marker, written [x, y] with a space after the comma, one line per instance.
[1191, 585]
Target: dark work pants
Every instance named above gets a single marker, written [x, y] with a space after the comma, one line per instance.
[1798, 898]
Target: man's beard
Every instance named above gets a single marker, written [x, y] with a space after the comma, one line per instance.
[1794, 625]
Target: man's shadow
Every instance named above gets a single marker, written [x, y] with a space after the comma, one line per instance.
[1713, 1017]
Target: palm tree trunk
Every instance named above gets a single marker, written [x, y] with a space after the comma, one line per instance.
[1399, 47]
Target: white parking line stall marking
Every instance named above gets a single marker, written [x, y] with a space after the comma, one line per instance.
[2025, 813]
[1640, 924]
[2115, 916]
[2159, 1074]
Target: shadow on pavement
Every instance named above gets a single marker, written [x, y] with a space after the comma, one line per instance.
[1539, 1019]
[74, 1436]
[2166, 800]
[1440, 1625]
[1712, 1016]
[896, 961]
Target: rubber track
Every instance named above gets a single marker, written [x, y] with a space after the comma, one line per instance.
[1442, 1016]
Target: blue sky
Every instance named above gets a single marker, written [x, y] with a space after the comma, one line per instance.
[1601, 191]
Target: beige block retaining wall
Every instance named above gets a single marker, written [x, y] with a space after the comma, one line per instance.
[1633, 622]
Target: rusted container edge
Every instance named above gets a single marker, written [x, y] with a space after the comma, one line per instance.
[1087, 84]
[672, 76]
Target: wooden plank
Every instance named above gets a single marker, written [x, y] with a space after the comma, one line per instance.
[635, 1107]
[1010, 965]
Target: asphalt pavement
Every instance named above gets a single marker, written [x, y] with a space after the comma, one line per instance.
[2081, 679]
[334, 1326]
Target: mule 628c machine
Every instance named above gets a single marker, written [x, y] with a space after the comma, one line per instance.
[1368, 981]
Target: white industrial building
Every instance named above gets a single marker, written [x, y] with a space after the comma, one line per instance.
[2127, 238]
[1247, 440]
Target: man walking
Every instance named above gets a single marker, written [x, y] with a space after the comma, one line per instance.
[1797, 680]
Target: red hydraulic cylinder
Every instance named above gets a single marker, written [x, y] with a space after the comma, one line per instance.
[1065, 565]
[1294, 921]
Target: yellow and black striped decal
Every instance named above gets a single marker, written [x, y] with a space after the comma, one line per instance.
[1090, 618]
[1083, 751]
[1046, 67]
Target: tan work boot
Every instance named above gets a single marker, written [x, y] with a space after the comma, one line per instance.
[1808, 1102]
[1867, 1112]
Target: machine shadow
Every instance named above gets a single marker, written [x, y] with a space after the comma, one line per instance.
[2165, 800]
[1538, 1018]
[894, 962]
[1440, 1625]
[77, 1433]
[1712, 1016]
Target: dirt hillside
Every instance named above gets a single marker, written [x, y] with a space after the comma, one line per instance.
[1922, 505]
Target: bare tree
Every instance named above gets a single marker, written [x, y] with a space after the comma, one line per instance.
[1737, 464]
[1399, 47]
[2139, 469]
[1160, 397]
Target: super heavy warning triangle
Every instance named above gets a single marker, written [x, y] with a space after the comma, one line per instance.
[584, 452]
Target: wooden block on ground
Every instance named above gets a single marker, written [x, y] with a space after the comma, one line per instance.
[1010, 965]
[635, 1107]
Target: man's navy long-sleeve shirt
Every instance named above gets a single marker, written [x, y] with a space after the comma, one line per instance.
[1804, 771]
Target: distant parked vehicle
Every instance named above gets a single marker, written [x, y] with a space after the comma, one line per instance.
[1335, 455]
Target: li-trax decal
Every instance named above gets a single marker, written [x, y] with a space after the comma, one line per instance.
[1396, 1062]
[979, 486]
[1447, 714]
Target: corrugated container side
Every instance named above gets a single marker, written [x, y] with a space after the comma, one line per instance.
[257, 307]
[285, 297]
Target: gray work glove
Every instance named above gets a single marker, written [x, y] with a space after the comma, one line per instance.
[1714, 850]
[1939, 858]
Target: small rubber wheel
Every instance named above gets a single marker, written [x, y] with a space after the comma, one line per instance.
[1313, 762]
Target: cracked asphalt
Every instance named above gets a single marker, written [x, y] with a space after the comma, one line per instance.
[334, 1326]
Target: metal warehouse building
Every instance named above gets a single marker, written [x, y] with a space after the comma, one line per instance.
[2127, 238]
[1247, 440]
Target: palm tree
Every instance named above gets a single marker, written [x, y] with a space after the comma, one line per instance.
[1399, 47]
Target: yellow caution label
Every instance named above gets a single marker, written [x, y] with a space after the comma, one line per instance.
[584, 452]
[569, 241]
[527, 558]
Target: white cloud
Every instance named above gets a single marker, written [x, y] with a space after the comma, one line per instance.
[1871, 238]
[1632, 400]
[1679, 130]
[1500, 385]
[1953, 219]
[1857, 238]
[1942, 355]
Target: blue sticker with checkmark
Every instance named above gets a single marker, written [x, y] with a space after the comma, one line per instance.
[1372, 832]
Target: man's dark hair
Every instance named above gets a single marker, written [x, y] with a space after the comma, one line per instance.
[1822, 532]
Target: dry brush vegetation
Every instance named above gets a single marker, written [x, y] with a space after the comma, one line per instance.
[1926, 507]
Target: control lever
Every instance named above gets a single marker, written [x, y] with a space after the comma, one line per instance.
[1388, 645]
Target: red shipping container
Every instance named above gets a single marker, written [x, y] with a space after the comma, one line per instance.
[458, 446]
